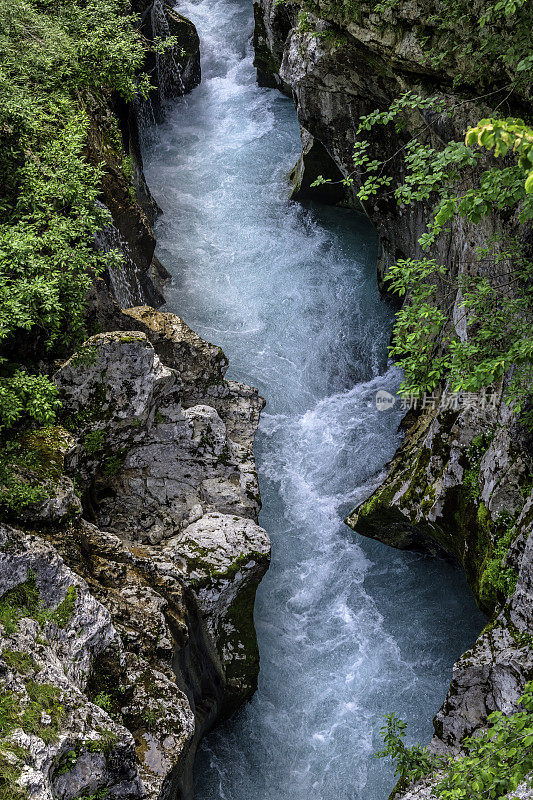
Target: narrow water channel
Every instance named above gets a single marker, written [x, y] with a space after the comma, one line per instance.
[348, 629]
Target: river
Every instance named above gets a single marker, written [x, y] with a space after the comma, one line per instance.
[348, 629]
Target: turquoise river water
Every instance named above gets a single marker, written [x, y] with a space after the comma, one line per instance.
[348, 629]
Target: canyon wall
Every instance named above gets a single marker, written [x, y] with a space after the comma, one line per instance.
[127, 591]
[463, 473]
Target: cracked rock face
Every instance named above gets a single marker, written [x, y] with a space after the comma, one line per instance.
[51, 681]
[148, 462]
[159, 640]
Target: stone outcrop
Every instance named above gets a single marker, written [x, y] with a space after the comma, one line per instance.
[114, 140]
[462, 477]
[56, 631]
[137, 602]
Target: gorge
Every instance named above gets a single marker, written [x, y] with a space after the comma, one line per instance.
[290, 294]
[222, 561]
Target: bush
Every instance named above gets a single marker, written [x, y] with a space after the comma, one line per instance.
[494, 761]
[57, 59]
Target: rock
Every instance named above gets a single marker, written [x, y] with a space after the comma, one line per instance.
[144, 459]
[161, 448]
[199, 364]
[54, 631]
[40, 463]
[176, 70]
[224, 558]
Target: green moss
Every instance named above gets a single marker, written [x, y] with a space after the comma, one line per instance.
[498, 581]
[93, 442]
[26, 712]
[10, 772]
[132, 338]
[113, 463]
[241, 672]
[104, 744]
[64, 612]
[19, 661]
[24, 600]
[28, 464]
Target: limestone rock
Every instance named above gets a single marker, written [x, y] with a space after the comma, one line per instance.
[146, 460]
[163, 455]
[52, 633]
[224, 558]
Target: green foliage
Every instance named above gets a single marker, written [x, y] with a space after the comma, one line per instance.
[10, 772]
[480, 44]
[26, 711]
[104, 700]
[27, 463]
[57, 59]
[411, 763]
[63, 613]
[94, 442]
[498, 580]
[8, 618]
[19, 661]
[497, 311]
[494, 761]
[151, 716]
[67, 762]
[43, 698]
[113, 464]
[104, 744]
[504, 135]
[418, 325]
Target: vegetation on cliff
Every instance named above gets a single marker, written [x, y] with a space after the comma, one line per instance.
[482, 45]
[58, 59]
[496, 303]
[495, 761]
[474, 47]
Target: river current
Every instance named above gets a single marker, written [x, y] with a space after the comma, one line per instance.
[348, 629]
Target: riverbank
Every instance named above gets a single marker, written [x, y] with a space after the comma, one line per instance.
[130, 549]
[461, 481]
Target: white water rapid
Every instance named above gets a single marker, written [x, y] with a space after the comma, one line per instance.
[348, 629]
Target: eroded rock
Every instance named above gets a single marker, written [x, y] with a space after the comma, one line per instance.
[160, 446]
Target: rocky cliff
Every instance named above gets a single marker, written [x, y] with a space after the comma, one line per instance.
[114, 140]
[127, 590]
[462, 478]
[140, 596]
